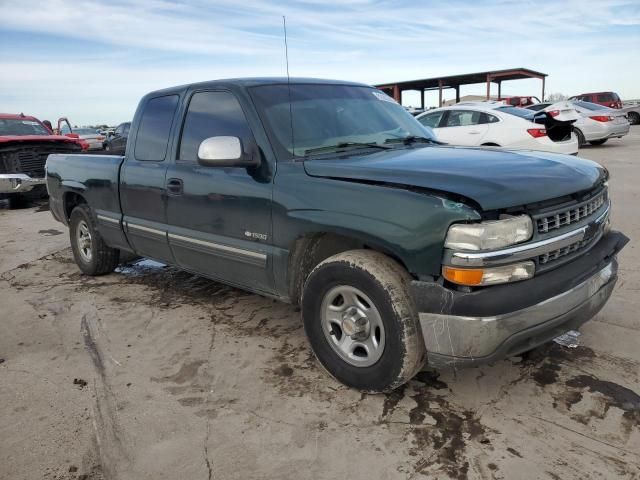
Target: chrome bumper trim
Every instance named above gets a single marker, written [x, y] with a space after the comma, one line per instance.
[522, 252]
[470, 338]
[18, 182]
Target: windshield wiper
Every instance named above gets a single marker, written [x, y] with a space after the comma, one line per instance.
[408, 140]
[343, 145]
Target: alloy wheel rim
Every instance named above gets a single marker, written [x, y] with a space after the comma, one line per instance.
[352, 326]
[83, 237]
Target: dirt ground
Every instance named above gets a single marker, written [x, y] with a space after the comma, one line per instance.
[151, 373]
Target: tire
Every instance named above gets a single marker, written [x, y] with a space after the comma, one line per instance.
[634, 118]
[16, 200]
[581, 140]
[91, 254]
[598, 142]
[363, 282]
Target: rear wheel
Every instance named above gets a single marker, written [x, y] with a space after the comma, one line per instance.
[580, 137]
[361, 321]
[634, 118]
[91, 254]
[598, 142]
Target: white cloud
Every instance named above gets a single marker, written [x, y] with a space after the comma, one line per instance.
[583, 45]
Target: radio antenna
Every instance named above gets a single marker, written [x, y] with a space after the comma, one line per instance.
[286, 57]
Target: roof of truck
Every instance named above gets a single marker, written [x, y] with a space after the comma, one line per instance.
[259, 81]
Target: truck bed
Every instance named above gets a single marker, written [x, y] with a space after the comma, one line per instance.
[95, 177]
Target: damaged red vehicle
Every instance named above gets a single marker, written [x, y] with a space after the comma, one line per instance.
[25, 144]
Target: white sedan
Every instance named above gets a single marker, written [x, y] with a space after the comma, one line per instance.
[597, 123]
[495, 124]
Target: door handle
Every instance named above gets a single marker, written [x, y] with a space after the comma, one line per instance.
[175, 186]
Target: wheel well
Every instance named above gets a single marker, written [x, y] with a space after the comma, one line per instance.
[71, 200]
[308, 251]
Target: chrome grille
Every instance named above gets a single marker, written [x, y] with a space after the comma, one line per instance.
[571, 215]
[32, 162]
[564, 251]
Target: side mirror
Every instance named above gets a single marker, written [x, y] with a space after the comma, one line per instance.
[224, 151]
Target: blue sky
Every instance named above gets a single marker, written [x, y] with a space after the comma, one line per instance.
[92, 60]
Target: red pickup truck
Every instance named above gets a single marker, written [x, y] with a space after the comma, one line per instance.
[25, 144]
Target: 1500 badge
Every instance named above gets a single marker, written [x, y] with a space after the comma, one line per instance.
[257, 236]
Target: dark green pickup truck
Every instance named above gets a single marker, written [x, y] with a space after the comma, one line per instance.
[400, 251]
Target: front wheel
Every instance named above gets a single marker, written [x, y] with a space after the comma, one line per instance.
[598, 142]
[361, 321]
[91, 254]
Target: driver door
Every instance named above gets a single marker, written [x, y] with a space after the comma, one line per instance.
[219, 218]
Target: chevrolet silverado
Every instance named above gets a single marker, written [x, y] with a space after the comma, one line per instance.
[400, 251]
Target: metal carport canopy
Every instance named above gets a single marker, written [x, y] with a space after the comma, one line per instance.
[395, 89]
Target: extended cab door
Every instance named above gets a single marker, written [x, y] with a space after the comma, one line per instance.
[462, 127]
[142, 179]
[219, 217]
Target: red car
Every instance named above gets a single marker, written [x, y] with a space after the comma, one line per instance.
[606, 99]
[25, 144]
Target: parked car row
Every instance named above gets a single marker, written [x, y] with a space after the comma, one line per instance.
[560, 127]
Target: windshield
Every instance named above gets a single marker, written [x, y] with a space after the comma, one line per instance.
[332, 115]
[589, 105]
[518, 112]
[15, 126]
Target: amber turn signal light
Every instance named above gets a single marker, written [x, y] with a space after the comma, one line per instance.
[463, 276]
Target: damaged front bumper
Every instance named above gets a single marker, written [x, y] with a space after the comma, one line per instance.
[18, 183]
[486, 325]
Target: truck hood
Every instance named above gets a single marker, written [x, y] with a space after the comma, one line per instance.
[493, 178]
[35, 138]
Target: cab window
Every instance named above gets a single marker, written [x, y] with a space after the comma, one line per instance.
[211, 114]
[155, 125]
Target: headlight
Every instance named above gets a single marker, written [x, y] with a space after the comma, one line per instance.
[489, 276]
[489, 235]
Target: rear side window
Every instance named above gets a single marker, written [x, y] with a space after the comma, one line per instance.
[153, 134]
[212, 114]
[431, 119]
[488, 118]
[462, 118]
[605, 97]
